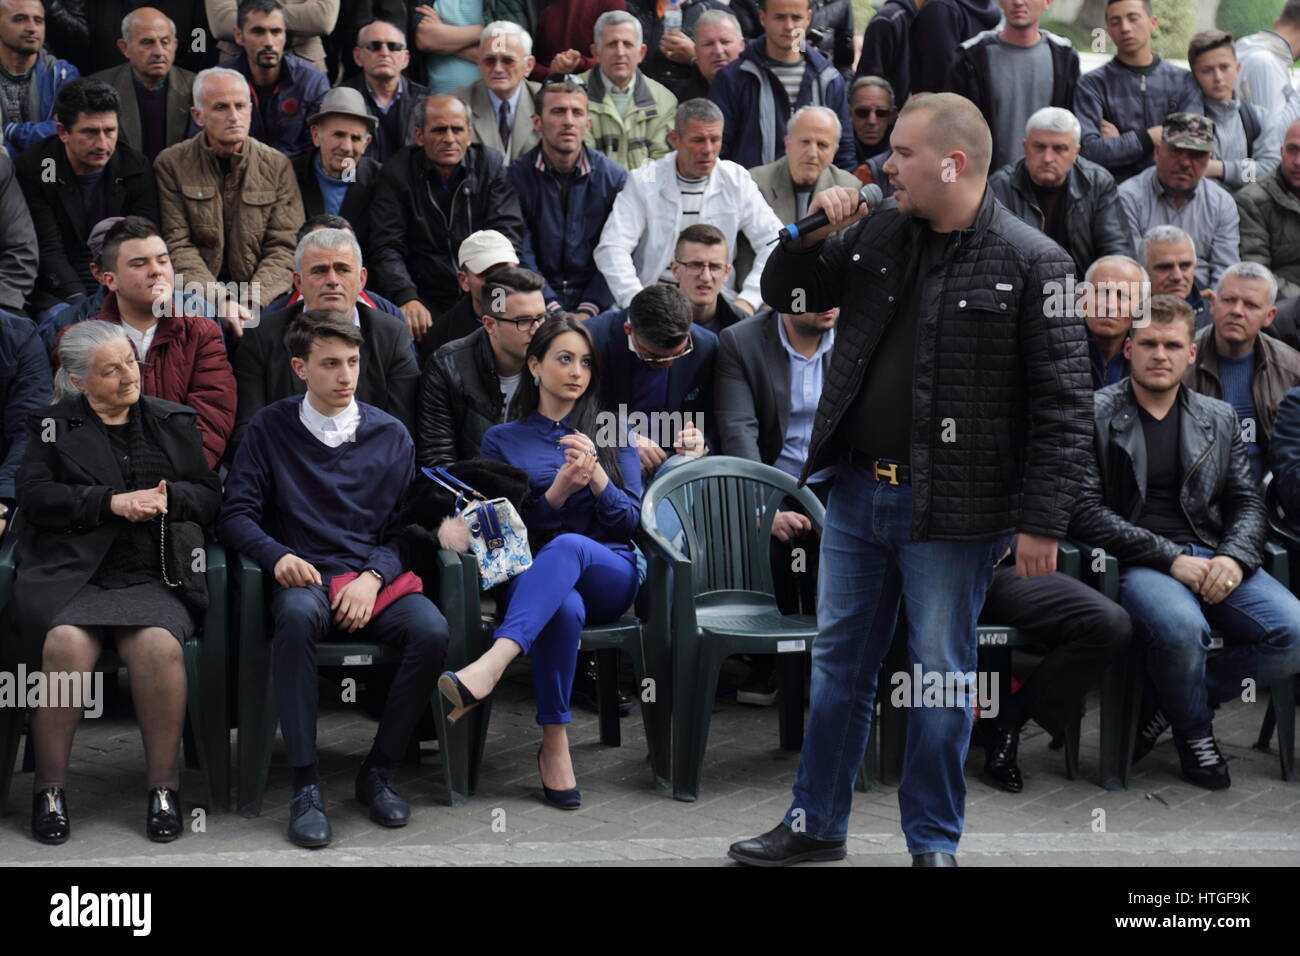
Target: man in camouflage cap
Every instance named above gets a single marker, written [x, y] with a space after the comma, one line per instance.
[1175, 192]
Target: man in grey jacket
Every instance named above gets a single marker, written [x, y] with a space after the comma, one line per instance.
[1054, 189]
[18, 248]
[1122, 105]
[1266, 59]
[1270, 217]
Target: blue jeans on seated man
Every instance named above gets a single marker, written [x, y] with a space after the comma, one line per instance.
[1259, 621]
[572, 581]
[869, 563]
[302, 618]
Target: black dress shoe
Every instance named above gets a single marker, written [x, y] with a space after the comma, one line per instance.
[934, 859]
[1000, 768]
[50, 816]
[1152, 723]
[1202, 761]
[781, 846]
[584, 692]
[308, 824]
[162, 821]
[375, 790]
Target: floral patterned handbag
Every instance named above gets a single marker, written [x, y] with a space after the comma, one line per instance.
[497, 535]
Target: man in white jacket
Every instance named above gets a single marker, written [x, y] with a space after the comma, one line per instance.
[1266, 59]
[690, 185]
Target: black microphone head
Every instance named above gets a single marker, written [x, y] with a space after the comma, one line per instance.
[871, 195]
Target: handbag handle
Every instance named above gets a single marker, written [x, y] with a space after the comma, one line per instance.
[451, 483]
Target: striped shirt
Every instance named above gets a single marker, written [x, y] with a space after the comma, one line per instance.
[791, 77]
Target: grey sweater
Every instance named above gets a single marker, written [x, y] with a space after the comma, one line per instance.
[1230, 143]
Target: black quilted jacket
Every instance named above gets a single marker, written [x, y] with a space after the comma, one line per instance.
[1002, 397]
[1219, 495]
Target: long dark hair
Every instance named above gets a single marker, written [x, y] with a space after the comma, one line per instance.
[587, 410]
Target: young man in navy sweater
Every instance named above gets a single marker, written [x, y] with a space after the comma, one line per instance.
[314, 493]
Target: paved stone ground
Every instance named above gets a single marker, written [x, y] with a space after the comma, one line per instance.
[1160, 821]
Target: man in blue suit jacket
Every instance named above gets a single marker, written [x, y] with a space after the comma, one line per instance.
[655, 362]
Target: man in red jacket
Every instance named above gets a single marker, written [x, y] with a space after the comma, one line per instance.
[182, 357]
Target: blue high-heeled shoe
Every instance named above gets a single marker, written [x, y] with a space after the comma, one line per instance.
[562, 799]
[462, 700]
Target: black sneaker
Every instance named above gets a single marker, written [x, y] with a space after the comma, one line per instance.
[584, 688]
[1203, 762]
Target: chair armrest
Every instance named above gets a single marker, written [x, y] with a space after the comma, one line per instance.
[1277, 562]
[1069, 560]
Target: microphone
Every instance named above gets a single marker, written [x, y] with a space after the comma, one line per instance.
[869, 194]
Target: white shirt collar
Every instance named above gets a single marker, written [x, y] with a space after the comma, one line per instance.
[141, 340]
[331, 430]
[496, 101]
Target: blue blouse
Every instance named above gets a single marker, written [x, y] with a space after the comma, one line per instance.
[532, 444]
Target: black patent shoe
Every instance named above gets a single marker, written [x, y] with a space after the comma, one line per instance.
[781, 846]
[162, 820]
[1001, 769]
[50, 816]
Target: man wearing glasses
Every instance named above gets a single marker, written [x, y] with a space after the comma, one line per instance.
[471, 383]
[502, 101]
[871, 107]
[701, 264]
[654, 361]
[383, 55]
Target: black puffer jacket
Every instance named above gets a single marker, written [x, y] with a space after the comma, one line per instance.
[1219, 494]
[460, 399]
[1000, 375]
[1095, 225]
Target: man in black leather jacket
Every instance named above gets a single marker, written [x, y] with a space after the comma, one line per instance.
[1068, 197]
[956, 408]
[470, 384]
[1172, 496]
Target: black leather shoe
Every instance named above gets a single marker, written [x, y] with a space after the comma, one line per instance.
[584, 693]
[308, 824]
[933, 859]
[163, 818]
[781, 846]
[375, 790]
[1000, 768]
[1202, 761]
[50, 816]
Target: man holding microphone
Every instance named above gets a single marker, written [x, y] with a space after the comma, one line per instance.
[959, 413]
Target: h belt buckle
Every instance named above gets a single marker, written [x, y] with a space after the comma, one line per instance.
[891, 472]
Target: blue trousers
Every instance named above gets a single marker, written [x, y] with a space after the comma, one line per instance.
[572, 579]
[869, 563]
[302, 618]
[1259, 621]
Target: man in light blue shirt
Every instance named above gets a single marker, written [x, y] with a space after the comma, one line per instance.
[448, 34]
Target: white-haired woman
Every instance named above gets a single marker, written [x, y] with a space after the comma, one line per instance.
[102, 465]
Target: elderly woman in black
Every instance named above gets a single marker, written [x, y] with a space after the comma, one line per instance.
[102, 469]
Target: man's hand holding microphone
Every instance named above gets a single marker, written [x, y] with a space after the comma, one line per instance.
[833, 210]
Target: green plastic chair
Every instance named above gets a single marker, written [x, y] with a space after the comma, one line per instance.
[258, 717]
[1117, 748]
[645, 641]
[721, 599]
[206, 673]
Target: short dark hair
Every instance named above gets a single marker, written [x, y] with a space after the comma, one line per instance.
[559, 86]
[1146, 4]
[315, 324]
[1290, 13]
[325, 220]
[661, 315]
[506, 282]
[248, 7]
[1205, 41]
[85, 95]
[132, 227]
[703, 233]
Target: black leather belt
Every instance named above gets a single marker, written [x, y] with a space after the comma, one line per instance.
[881, 469]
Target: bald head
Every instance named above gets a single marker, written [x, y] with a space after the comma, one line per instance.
[810, 143]
[22, 31]
[1290, 168]
[444, 132]
[149, 44]
[955, 125]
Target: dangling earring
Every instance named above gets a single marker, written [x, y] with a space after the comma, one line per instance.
[537, 380]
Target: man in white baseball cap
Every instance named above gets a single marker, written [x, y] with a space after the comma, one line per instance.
[481, 254]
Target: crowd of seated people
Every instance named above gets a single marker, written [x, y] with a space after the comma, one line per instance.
[259, 286]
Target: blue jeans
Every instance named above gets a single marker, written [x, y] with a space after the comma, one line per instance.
[1259, 622]
[572, 580]
[868, 563]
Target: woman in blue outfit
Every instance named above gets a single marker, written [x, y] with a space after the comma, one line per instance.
[588, 503]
